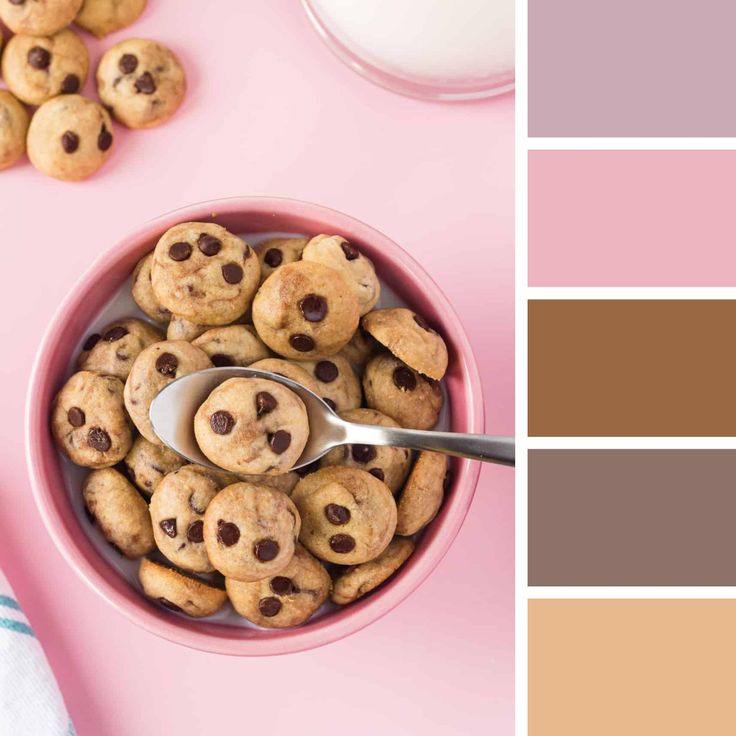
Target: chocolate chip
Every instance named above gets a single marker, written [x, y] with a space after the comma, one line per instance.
[232, 273]
[166, 603]
[195, 532]
[350, 251]
[220, 360]
[282, 585]
[273, 257]
[377, 473]
[145, 84]
[302, 343]
[180, 251]
[222, 422]
[422, 323]
[69, 142]
[265, 404]
[104, 139]
[70, 85]
[128, 63]
[227, 533]
[208, 244]
[91, 341]
[266, 550]
[269, 607]
[115, 333]
[342, 543]
[326, 371]
[169, 527]
[279, 441]
[313, 307]
[98, 439]
[336, 514]
[166, 364]
[405, 379]
[363, 453]
[76, 417]
[330, 403]
[39, 58]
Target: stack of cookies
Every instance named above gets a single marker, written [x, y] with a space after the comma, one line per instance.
[45, 65]
[276, 543]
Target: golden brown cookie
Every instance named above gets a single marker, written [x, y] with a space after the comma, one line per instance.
[336, 382]
[38, 17]
[276, 252]
[146, 464]
[14, 122]
[237, 345]
[288, 369]
[101, 17]
[361, 348]
[143, 296]
[423, 493]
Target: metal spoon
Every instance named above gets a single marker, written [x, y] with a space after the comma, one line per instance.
[172, 415]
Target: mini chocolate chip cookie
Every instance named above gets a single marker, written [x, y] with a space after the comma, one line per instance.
[360, 349]
[250, 531]
[146, 464]
[389, 464]
[141, 82]
[142, 291]
[101, 17]
[177, 513]
[119, 511]
[203, 273]
[336, 252]
[287, 369]
[70, 137]
[348, 515]
[221, 477]
[361, 579]
[401, 393]
[410, 338]
[253, 426]
[285, 482]
[37, 68]
[39, 18]
[179, 592]
[112, 350]
[336, 381]
[286, 599]
[237, 345]
[13, 129]
[155, 367]
[182, 329]
[89, 422]
[422, 495]
[276, 252]
[306, 311]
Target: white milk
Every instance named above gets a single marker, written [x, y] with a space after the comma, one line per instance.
[427, 40]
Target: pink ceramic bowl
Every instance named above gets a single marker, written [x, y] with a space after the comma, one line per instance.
[104, 278]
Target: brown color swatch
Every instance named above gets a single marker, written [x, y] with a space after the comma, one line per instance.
[632, 368]
[632, 517]
[632, 667]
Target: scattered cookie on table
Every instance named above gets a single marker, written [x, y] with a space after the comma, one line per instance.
[38, 17]
[423, 492]
[101, 17]
[253, 426]
[250, 531]
[146, 464]
[141, 82]
[237, 345]
[37, 68]
[14, 122]
[276, 252]
[70, 137]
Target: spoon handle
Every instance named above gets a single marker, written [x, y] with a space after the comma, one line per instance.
[490, 449]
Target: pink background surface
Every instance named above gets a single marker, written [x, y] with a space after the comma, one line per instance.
[271, 111]
[631, 218]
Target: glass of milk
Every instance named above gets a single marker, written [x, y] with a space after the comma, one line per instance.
[437, 49]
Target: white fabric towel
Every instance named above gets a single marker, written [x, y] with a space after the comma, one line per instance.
[30, 701]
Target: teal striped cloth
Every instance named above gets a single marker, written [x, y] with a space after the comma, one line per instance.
[30, 701]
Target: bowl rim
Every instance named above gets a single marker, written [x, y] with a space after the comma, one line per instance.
[282, 641]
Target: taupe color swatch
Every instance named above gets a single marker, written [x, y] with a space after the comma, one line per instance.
[632, 368]
[632, 517]
[632, 667]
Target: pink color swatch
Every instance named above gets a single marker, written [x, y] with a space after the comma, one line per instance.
[631, 218]
[271, 111]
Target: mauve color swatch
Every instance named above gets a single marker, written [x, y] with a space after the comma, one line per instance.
[631, 218]
[632, 667]
[632, 517]
[632, 68]
[632, 368]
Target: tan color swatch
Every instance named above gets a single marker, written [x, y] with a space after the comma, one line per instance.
[632, 368]
[632, 667]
